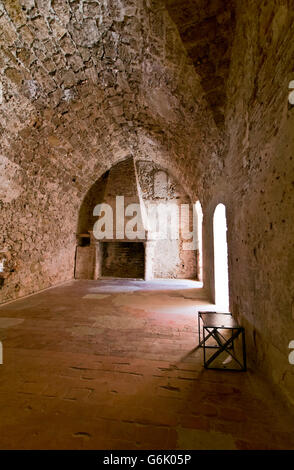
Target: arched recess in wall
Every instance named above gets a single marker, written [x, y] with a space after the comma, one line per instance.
[148, 186]
[221, 272]
[199, 218]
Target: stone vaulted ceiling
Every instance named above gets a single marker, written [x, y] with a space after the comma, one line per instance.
[83, 86]
[82, 82]
[206, 28]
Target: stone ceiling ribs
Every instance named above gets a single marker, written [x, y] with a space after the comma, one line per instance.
[206, 28]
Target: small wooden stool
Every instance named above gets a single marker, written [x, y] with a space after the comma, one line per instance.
[212, 323]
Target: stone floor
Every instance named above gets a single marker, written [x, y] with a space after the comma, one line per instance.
[110, 365]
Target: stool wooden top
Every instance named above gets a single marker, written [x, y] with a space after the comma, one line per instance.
[218, 320]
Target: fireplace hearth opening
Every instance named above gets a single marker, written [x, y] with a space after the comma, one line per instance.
[123, 259]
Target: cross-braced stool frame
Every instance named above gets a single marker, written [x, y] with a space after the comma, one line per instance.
[212, 323]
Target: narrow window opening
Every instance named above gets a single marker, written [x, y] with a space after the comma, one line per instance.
[199, 215]
[221, 272]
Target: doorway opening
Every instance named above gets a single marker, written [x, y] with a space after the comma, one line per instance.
[221, 271]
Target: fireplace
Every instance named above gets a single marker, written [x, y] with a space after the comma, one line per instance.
[123, 259]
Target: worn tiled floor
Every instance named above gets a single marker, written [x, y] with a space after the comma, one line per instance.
[107, 365]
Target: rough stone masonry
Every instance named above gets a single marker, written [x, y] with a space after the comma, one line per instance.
[85, 85]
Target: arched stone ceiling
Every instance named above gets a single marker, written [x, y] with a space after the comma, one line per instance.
[83, 85]
[80, 80]
[207, 28]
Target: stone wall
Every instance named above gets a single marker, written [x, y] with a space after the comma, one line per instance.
[84, 84]
[256, 186]
[160, 190]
